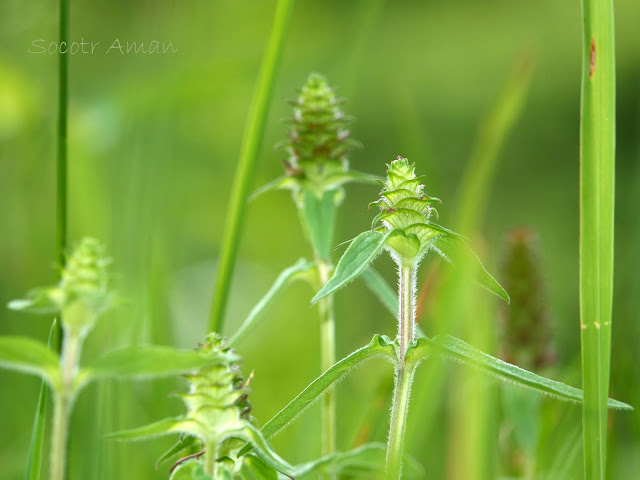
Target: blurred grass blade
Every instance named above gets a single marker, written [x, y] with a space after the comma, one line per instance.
[30, 356]
[492, 136]
[458, 350]
[363, 249]
[287, 276]
[251, 141]
[381, 289]
[160, 428]
[379, 346]
[597, 190]
[456, 250]
[36, 444]
[143, 361]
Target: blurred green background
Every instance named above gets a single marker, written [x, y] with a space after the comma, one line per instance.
[153, 146]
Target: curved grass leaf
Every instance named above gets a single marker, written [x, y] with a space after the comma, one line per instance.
[142, 361]
[454, 248]
[255, 469]
[30, 356]
[36, 444]
[381, 289]
[287, 276]
[456, 349]
[355, 260]
[365, 461]
[379, 346]
[160, 428]
[255, 437]
[318, 216]
[186, 442]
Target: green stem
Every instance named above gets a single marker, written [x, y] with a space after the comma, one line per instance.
[404, 373]
[210, 459]
[59, 436]
[37, 434]
[248, 155]
[597, 191]
[328, 358]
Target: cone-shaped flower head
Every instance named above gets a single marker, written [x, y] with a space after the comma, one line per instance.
[526, 336]
[82, 294]
[318, 139]
[406, 209]
[217, 398]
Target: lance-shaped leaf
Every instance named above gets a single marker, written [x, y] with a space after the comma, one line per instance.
[458, 350]
[262, 449]
[143, 361]
[38, 301]
[286, 277]
[378, 347]
[355, 260]
[365, 461]
[454, 249]
[185, 443]
[381, 289]
[30, 356]
[160, 428]
[318, 214]
[255, 469]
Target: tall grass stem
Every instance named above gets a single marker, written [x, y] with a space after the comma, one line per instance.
[251, 142]
[597, 189]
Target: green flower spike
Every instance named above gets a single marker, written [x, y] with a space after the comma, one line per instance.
[404, 228]
[318, 144]
[218, 422]
[82, 294]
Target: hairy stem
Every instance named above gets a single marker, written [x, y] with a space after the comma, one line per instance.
[210, 457]
[328, 358]
[404, 372]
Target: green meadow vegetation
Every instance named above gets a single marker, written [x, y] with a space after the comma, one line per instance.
[246, 277]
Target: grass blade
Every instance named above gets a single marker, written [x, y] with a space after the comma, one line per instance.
[597, 188]
[379, 346]
[287, 276]
[34, 459]
[248, 155]
[456, 349]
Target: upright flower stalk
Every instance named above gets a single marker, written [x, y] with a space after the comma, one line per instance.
[316, 168]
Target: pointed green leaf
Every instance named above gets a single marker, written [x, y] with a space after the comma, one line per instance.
[30, 356]
[160, 428]
[378, 347]
[255, 469]
[318, 215]
[38, 301]
[456, 349]
[285, 182]
[287, 276]
[355, 260]
[365, 461]
[381, 289]
[352, 176]
[455, 249]
[185, 443]
[255, 437]
[143, 361]
[36, 444]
